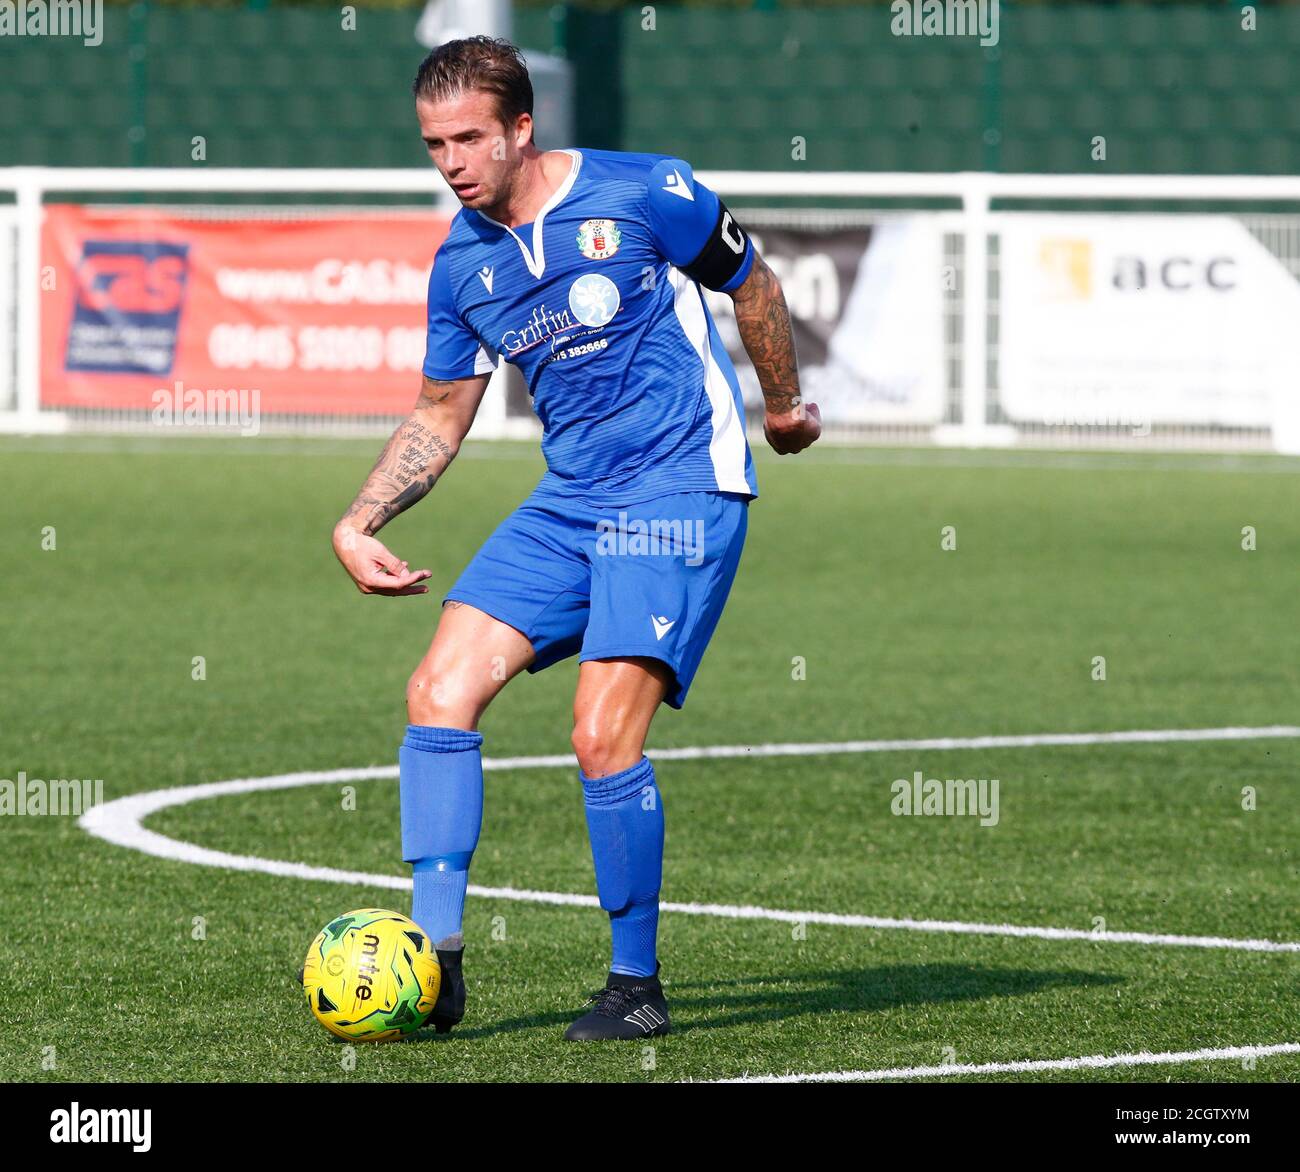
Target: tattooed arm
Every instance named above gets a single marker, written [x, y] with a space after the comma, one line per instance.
[764, 321]
[414, 457]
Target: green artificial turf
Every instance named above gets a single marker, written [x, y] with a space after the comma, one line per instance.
[133, 967]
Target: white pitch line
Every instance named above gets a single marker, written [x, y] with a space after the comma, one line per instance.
[1041, 459]
[121, 823]
[1135, 736]
[1089, 1062]
[846, 455]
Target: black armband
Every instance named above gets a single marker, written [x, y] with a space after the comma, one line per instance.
[723, 253]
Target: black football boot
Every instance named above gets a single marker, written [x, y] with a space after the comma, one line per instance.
[627, 1008]
[450, 1006]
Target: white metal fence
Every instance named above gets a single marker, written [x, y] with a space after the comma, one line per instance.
[972, 226]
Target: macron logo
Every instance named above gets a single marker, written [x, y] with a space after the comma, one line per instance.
[485, 275]
[678, 186]
[662, 626]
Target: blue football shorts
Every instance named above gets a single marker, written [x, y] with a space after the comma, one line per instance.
[647, 579]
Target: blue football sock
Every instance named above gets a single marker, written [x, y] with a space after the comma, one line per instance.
[625, 819]
[441, 787]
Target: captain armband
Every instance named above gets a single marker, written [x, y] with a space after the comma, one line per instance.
[723, 253]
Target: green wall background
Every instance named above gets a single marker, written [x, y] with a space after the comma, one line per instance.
[1173, 88]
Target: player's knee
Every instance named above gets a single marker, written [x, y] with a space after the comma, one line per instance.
[440, 699]
[602, 750]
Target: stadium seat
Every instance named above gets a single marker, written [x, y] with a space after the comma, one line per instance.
[1218, 71]
[1153, 80]
[1189, 27]
[1141, 27]
[1193, 113]
[1117, 71]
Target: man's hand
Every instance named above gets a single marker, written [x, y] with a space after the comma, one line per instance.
[763, 320]
[373, 568]
[794, 430]
[416, 454]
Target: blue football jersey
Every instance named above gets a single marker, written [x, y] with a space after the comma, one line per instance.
[636, 393]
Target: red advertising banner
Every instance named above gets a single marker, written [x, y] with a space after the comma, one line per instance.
[320, 315]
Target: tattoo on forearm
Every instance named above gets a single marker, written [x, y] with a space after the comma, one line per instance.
[764, 323]
[432, 392]
[406, 470]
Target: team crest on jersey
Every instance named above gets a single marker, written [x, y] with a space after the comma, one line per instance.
[599, 239]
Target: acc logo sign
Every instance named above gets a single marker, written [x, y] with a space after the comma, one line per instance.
[593, 299]
[1065, 269]
[599, 239]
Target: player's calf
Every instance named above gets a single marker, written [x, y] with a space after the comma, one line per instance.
[440, 783]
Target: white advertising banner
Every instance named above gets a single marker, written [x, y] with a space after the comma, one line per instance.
[8, 326]
[1139, 320]
[867, 309]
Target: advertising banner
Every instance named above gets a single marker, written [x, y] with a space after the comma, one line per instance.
[8, 322]
[325, 314]
[866, 306]
[321, 315]
[1137, 320]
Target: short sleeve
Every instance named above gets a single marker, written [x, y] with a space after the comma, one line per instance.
[452, 350]
[694, 230]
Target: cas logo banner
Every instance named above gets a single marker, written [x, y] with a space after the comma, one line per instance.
[128, 307]
[323, 315]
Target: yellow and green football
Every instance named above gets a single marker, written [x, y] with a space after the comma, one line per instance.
[371, 976]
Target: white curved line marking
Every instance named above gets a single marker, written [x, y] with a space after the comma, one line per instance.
[1090, 1062]
[1033, 740]
[120, 822]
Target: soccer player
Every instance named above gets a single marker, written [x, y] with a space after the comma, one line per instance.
[583, 268]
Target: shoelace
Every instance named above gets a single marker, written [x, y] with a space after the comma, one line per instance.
[614, 1001]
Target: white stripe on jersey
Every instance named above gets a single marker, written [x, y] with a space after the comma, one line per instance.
[727, 447]
[536, 259]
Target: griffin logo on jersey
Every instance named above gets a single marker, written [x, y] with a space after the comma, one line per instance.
[594, 299]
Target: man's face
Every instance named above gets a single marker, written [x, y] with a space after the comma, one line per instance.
[476, 155]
